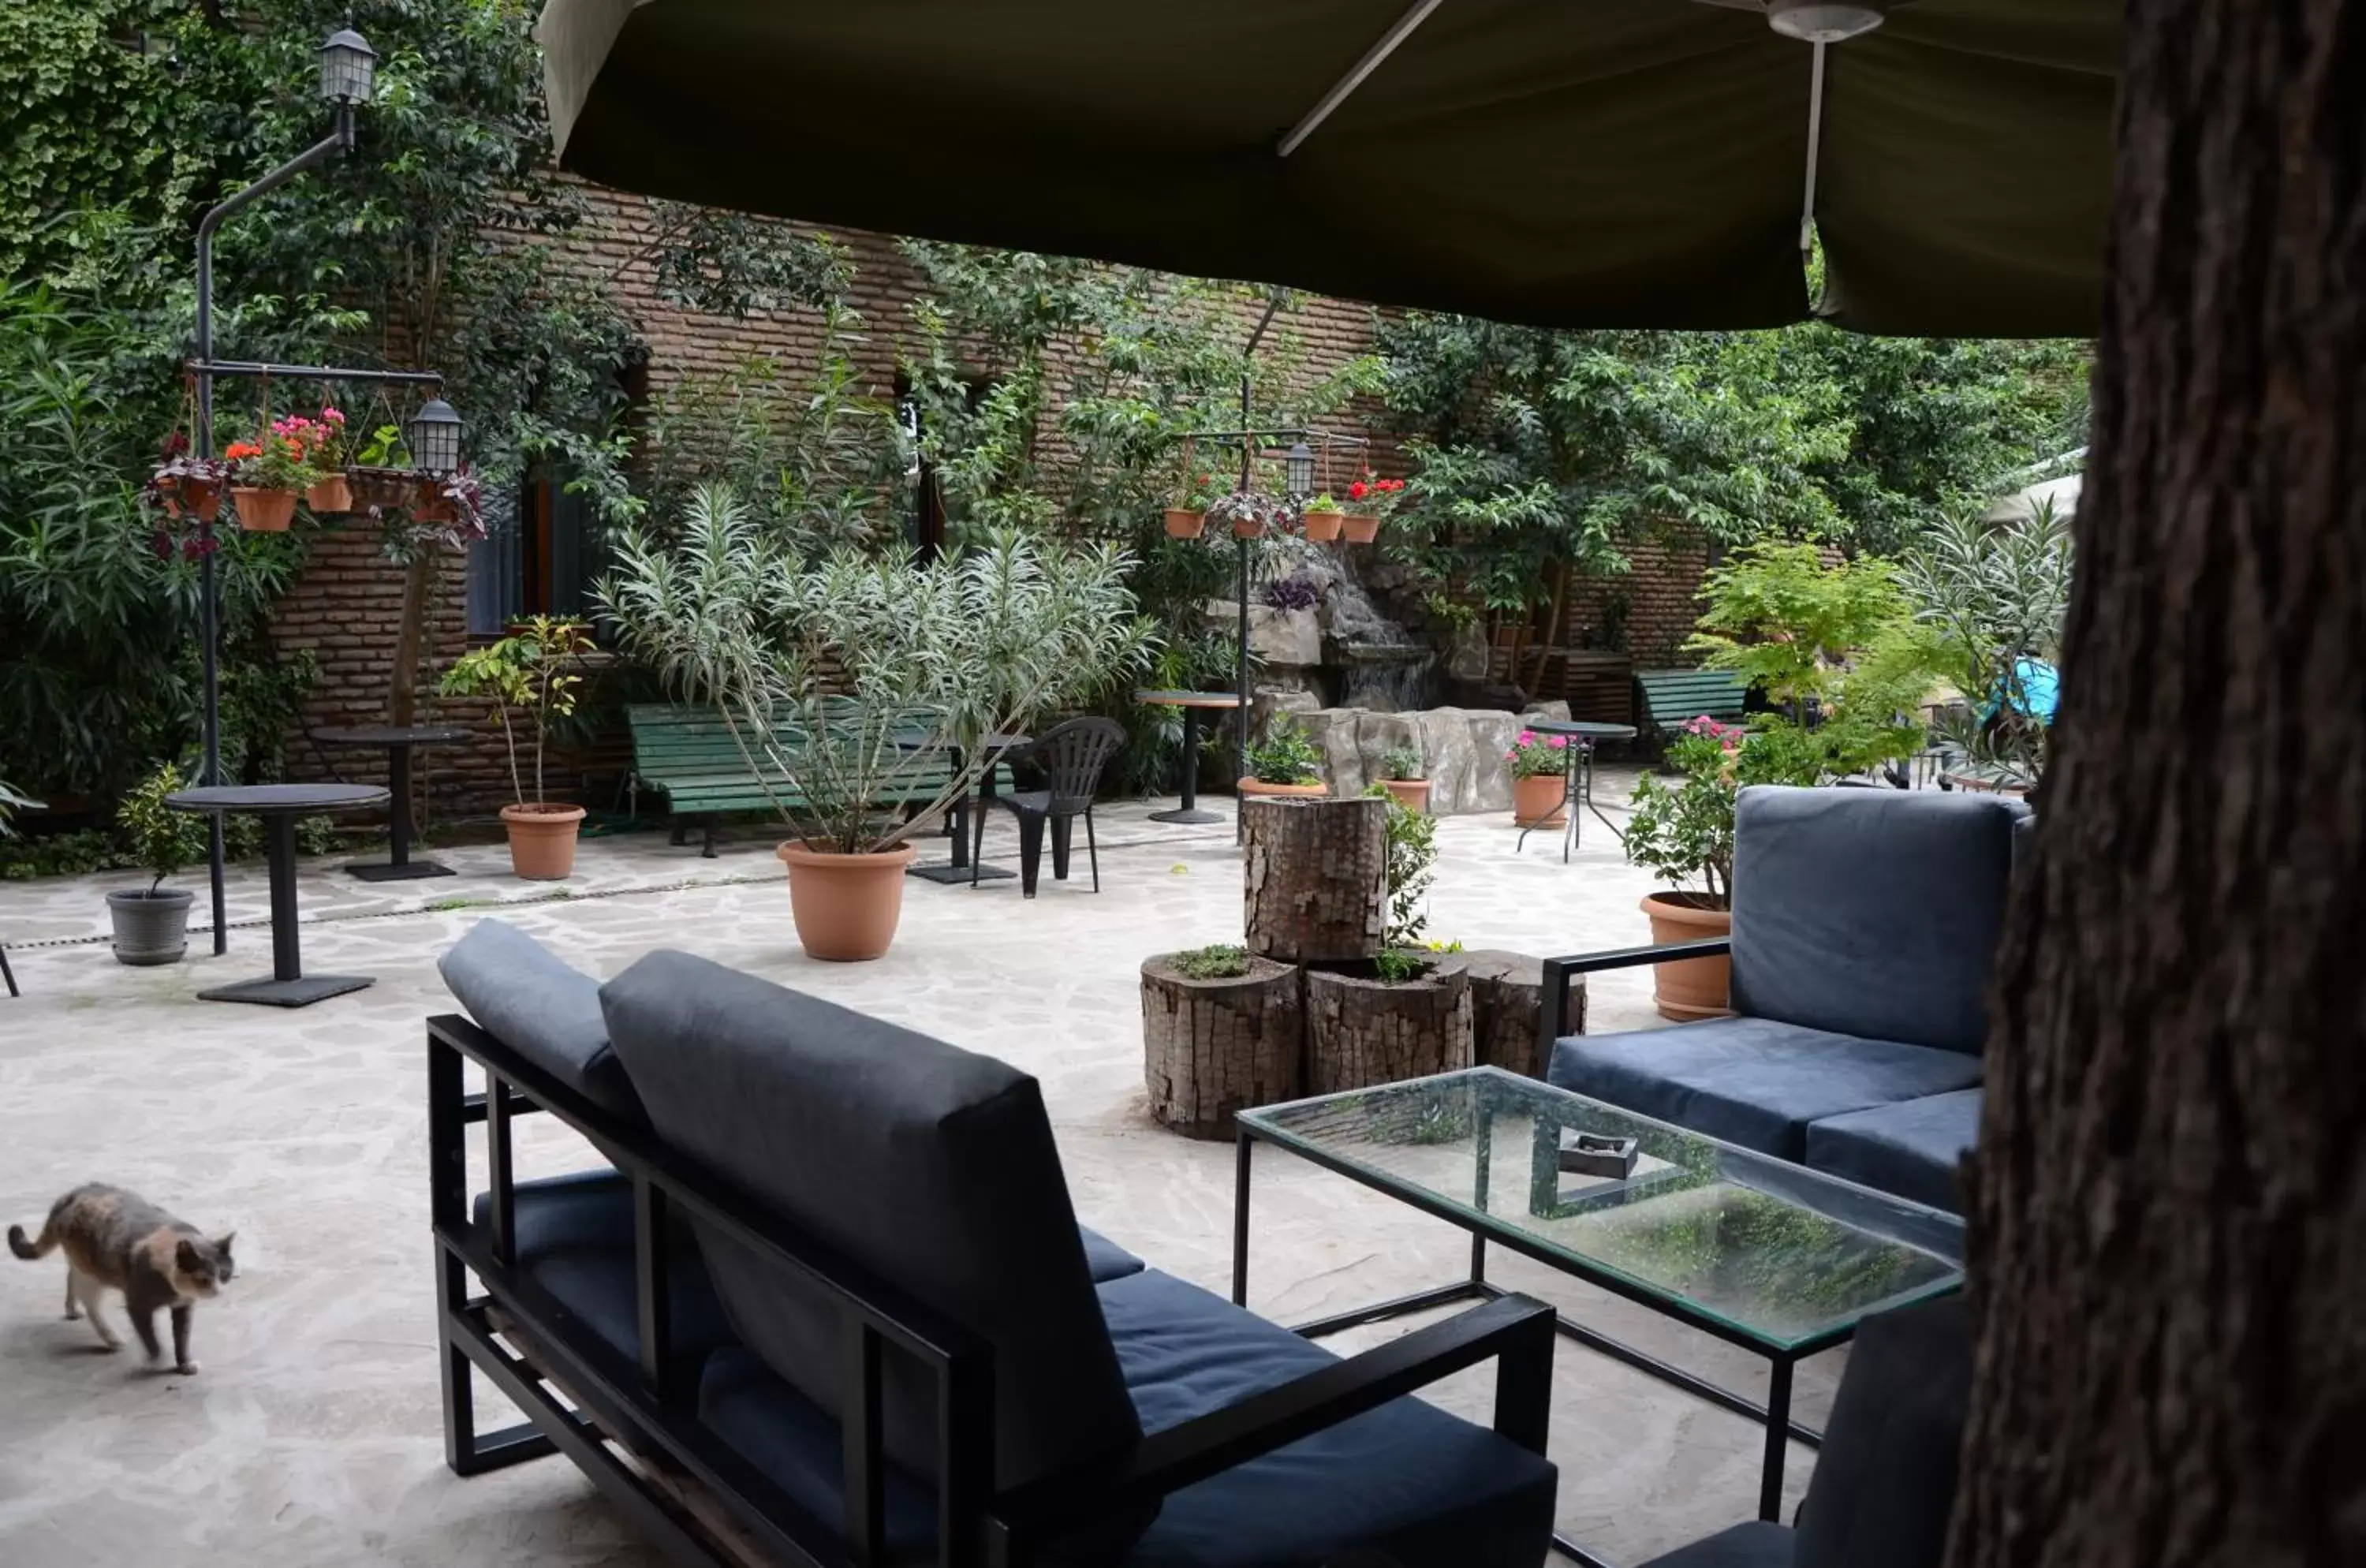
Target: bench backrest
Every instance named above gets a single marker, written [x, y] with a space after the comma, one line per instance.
[1673, 698]
[673, 738]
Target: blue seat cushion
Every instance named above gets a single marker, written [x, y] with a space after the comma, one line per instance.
[574, 1239]
[1753, 1545]
[547, 1011]
[1105, 1259]
[1752, 1081]
[1871, 912]
[1912, 1148]
[1428, 1489]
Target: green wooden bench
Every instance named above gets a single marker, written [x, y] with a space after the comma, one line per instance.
[690, 756]
[1673, 698]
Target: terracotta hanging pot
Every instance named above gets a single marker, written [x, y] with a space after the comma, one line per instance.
[1541, 801]
[331, 495]
[1184, 525]
[1359, 529]
[542, 839]
[1248, 527]
[263, 511]
[1692, 988]
[846, 906]
[1322, 527]
[185, 496]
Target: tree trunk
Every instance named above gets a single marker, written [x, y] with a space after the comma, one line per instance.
[1212, 1047]
[2169, 1215]
[1508, 993]
[1316, 878]
[411, 637]
[1360, 1032]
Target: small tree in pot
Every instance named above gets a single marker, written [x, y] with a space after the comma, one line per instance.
[152, 924]
[1287, 762]
[535, 673]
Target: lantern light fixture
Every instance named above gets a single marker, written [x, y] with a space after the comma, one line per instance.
[1299, 464]
[348, 68]
[434, 433]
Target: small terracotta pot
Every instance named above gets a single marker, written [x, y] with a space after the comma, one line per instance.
[542, 839]
[1411, 794]
[1184, 525]
[846, 906]
[1322, 527]
[1248, 527]
[1359, 529]
[200, 499]
[263, 511]
[1541, 801]
[1695, 987]
[1295, 792]
[331, 495]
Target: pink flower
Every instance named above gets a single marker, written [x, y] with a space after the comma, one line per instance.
[1512, 756]
[333, 416]
[1528, 737]
[1560, 743]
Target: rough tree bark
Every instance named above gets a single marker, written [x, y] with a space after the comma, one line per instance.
[1314, 876]
[1360, 1032]
[1211, 1048]
[2169, 1217]
[1508, 993]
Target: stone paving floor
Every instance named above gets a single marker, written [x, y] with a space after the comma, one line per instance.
[312, 1436]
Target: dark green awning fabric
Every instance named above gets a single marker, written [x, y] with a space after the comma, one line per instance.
[1563, 163]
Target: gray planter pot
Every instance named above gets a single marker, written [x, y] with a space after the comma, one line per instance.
[150, 928]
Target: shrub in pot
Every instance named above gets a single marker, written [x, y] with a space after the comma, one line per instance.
[1188, 516]
[1402, 777]
[929, 658]
[152, 924]
[1539, 779]
[1285, 763]
[535, 674]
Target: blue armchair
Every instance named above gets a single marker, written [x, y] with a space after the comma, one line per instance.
[1865, 925]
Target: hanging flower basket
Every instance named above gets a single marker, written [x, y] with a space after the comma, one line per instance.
[1322, 525]
[1184, 525]
[262, 511]
[428, 501]
[332, 496]
[187, 487]
[373, 486]
[1248, 526]
[1359, 528]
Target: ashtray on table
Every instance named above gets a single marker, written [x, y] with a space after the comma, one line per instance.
[1591, 1154]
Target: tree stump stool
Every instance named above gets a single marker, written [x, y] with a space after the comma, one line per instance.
[1507, 1005]
[1315, 874]
[1360, 1032]
[1214, 1047]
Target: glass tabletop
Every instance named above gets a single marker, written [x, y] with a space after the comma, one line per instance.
[1747, 1245]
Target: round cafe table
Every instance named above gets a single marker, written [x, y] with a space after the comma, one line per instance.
[1192, 704]
[279, 805]
[1577, 773]
[396, 739]
[968, 864]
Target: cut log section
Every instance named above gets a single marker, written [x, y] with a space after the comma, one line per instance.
[1316, 878]
[1506, 1002]
[1360, 1032]
[1211, 1048]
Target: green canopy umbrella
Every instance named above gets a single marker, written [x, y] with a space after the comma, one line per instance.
[1566, 162]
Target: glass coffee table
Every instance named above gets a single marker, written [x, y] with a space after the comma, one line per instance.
[1769, 1255]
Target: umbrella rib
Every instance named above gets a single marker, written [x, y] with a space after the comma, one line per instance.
[1815, 142]
[1346, 87]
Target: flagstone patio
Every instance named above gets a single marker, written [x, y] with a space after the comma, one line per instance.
[313, 1434]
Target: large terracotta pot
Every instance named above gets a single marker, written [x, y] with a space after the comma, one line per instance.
[1301, 792]
[263, 511]
[1322, 527]
[1182, 523]
[331, 495]
[542, 839]
[1359, 528]
[1541, 801]
[1696, 987]
[1411, 794]
[846, 906]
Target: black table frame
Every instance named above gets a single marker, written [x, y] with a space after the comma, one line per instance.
[398, 866]
[1189, 812]
[1775, 1416]
[1576, 787]
[968, 862]
[287, 986]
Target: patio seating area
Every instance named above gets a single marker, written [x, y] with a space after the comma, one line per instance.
[316, 1434]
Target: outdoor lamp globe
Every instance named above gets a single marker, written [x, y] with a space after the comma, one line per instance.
[348, 67]
[434, 433]
[1300, 464]
[1823, 21]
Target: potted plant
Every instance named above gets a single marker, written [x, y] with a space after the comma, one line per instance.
[380, 474]
[183, 486]
[1285, 763]
[1249, 513]
[536, 675]
[323, 439]
[152, 923]
[927, 659]
[267, 474]
[1371, 498]
[1539, 779]
[1188, 516]
[1322, 519]
[1402, 775]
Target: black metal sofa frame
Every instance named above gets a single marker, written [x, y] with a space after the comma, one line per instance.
[535, 1352]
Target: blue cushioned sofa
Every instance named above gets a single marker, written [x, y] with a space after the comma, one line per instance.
[829, 1295]
[1864, 926]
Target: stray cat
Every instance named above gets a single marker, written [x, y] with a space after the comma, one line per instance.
[117, 1240]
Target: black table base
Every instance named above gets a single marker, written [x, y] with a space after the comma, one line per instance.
[398, 866]
[393, 871]
[301, 992]
[967, 864]
[287, 986]
[1189, 811]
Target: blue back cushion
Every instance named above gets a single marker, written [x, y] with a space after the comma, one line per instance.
[1870, 912]
[930, 1167]
[532, 1002]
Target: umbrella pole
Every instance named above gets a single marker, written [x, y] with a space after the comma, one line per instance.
[1241, 548]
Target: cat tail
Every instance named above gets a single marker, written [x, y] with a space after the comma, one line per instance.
[41, 1249]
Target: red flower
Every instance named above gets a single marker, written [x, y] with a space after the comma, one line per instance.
[240, 449]
[1355, 490]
